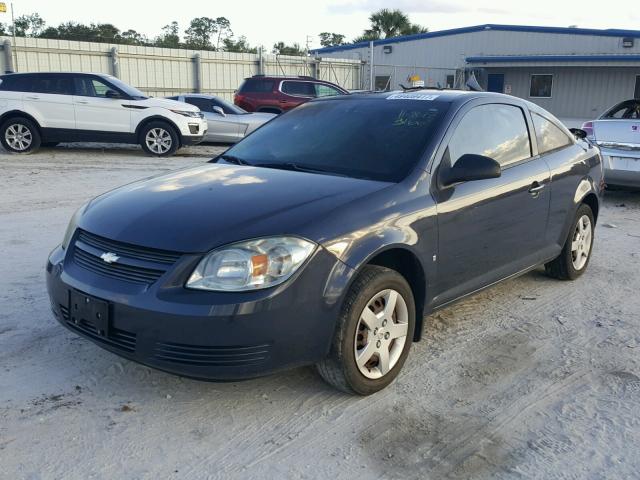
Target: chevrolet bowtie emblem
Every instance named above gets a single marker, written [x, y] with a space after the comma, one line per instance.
[109, 257]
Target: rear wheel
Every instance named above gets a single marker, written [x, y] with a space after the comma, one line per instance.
[373, 334]
[159, 139]
[576, 253]
[20, 135]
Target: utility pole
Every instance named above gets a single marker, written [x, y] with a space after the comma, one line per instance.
[15, 47]
[308, 42]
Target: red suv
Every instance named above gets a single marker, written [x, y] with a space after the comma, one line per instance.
[279, 94]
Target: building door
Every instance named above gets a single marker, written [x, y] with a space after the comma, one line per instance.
[495, 82]
[637, 94]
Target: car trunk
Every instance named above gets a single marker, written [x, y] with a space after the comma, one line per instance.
[618, 132]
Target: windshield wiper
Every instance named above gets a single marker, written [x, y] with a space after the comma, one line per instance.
[296, 167]
[232, 159]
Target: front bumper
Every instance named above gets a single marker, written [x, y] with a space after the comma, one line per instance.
[207, 335]
[621, 167]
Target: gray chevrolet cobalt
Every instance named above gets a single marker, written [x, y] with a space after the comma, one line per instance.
[326, 236]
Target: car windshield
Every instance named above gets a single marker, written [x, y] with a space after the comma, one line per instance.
[625, 110]
[374, 138]
[126, 88]
[228, 108]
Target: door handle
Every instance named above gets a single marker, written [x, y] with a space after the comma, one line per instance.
[535, 188]
[83, 102]
[32, 97]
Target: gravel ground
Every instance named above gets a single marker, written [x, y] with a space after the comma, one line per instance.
[534, 378]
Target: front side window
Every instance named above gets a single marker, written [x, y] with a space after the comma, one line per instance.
[300, 89]
[496, 131]
[550, 136]
[323, 90]
[91, 87]
[541, 86]
[376, 139]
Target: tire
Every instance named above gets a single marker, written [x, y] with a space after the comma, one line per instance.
[49, 144]
[159, 139]
[373, 286]
[572, 262]
[20, 135]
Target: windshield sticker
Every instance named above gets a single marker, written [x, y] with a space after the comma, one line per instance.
[412, 96]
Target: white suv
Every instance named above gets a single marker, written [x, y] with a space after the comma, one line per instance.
[49, 108]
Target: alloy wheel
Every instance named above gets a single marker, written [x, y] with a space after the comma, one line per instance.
[18, 137]
[581, 242]
[158, 140]
[381, 334]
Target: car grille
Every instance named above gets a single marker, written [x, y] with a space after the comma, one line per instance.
[120, 339]
[135, 264]
[200, 355]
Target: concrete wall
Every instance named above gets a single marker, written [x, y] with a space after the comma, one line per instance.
[165, 71]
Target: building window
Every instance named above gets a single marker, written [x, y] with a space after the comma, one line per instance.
[450, 81]
[637, 93]
[541, 86]
[383, 83]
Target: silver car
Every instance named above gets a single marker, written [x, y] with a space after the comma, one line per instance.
[228, 123]
[617, 133]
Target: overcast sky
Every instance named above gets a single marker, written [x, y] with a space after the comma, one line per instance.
[268, 21]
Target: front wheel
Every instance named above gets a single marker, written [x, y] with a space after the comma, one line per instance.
[373, 334]
[576, 253]
[159, 139]
[20, 135]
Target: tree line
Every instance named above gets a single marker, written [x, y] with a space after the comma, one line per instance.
[203, 33]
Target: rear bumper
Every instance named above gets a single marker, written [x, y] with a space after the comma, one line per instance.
[621, 167]
[206, 335]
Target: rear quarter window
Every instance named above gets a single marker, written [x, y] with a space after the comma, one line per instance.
[549, 136]
[256, 85]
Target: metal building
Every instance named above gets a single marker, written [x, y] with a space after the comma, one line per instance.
[575, 73]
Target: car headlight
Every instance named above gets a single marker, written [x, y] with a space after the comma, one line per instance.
[187, 113]
[73, 224]
[251, 265]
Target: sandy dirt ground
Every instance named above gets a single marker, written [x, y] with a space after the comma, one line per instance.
[534, 378]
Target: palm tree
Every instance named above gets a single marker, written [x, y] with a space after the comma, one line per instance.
[387, 23]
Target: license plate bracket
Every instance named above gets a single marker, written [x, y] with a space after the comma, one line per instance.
[88, 311]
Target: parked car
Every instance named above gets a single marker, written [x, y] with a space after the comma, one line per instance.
[48, 108]
[227, 123]
[278, 94]
[326, 235]
[617, 133]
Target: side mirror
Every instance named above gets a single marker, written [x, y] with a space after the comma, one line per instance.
[578, 133]
[111, 94]
[219, 111]
[470, 167]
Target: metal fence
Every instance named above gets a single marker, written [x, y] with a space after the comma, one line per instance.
[168, 71]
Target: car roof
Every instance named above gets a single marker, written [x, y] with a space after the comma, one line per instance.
[104, 75]
[292, 77]
[441, 95]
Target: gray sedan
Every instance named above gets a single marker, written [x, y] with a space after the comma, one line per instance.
[617, 133]
[228, 123]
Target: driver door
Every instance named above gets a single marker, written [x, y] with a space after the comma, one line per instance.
[95, 111]
[492, 228]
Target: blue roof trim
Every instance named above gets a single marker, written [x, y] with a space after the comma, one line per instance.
[553, 58]
[612, 32]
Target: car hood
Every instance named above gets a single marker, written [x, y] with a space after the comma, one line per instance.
[197, 209]
[170, 104]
